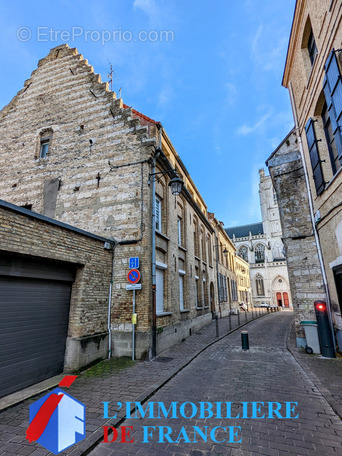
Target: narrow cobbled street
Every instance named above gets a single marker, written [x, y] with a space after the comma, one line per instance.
[267, 372]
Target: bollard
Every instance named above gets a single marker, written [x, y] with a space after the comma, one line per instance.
[239, 317]
[246, 316]
[230, 319]
[244, 340]
[217, 326]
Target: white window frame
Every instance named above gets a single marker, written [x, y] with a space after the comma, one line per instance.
[158, 203]
[181, 289]
[196, 292]
[160, 267]
[179, 226]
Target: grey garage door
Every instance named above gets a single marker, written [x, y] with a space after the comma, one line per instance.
[34, 316]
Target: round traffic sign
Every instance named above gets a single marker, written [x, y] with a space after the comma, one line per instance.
[133, 276]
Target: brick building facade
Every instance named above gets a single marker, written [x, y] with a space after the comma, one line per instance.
[312, 75]
[74, 152]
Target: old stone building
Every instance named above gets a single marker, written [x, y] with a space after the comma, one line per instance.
[306, 282]
[260, 244]
[72, 151]
[227, 269]
[313, 77]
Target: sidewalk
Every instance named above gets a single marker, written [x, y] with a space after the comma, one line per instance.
[139, 382]
[325, 373]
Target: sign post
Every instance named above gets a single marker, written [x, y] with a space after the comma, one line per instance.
[133, 278]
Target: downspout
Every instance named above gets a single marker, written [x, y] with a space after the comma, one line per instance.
[312, 216]
[218, 277]
[154, 280]
[110, 307]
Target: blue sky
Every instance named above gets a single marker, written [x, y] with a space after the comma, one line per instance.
[214, 81]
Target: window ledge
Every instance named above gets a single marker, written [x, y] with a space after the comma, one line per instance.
[332, 179]
[197, 258]
[185, 311]
[163, 236]
[199, 308]
[182, 248]
[164, 314]
[206, 307]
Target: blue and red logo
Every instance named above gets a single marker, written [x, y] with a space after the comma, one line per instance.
[57, 420]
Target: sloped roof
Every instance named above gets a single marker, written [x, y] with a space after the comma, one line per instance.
[244, 230]
[145, 119]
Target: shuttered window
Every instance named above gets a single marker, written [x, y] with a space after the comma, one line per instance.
[332, 87]
[314, 157]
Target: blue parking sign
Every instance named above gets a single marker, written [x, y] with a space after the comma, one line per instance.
[134, 263]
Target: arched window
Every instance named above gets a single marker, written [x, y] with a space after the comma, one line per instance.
[243, 252]
[259, 252]
[259, 281]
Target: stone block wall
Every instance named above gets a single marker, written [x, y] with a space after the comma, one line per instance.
[306, 282]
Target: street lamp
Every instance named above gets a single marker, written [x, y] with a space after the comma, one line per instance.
[176, 184]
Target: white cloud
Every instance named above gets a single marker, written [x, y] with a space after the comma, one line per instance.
[149, 7]
[165, 96]
[245, 130]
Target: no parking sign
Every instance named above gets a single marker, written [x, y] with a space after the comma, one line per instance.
[133, 276]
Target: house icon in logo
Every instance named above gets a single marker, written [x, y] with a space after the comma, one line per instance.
[57, 420]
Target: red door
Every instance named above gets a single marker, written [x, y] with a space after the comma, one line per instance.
[286, 299]
[279, 300]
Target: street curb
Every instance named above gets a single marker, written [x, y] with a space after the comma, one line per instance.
[313, 377]
[97, 437]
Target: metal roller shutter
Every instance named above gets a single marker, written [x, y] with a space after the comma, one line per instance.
[33, 323]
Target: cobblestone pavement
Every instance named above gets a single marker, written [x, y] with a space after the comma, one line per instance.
[135, 384]
[267, 372]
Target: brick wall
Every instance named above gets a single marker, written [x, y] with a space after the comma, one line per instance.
[25, 234]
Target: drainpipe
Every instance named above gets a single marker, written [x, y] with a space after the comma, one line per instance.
[110, 308]
[154, 280]
[218, 276]
[312, 216]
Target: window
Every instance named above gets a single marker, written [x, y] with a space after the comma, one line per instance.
[274, 197]
[196, 292]
[44, 148]
[312, 48]
[179, 228]
[234, 291]
[158, 214]
[196, 240]
[334, 146]
[160, 268]
[243, 252]
[332, 120]
[314, 157]
[204, 292]
[203, 246]
[181, 289]
[45, 143]
[259, 253]
[210, 251]
[259, 281]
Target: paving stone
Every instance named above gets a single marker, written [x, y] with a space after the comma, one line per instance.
[267, 372]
